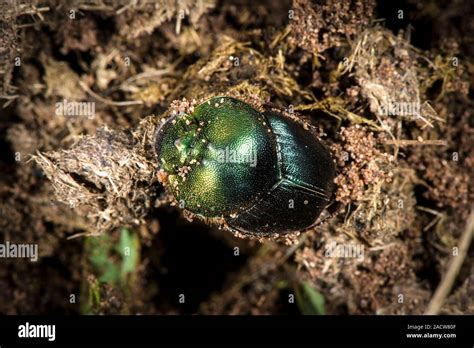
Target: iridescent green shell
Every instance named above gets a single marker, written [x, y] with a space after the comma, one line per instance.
[262, 172]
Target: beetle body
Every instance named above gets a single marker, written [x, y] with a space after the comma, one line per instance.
[261, 172]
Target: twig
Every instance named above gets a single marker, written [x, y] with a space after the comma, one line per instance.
[147, 75]
[106, 101]
[444, 288]
[411, 142]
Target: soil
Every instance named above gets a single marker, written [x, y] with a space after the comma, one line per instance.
[404, 187]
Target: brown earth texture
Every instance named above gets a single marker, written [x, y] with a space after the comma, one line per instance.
[387, 86]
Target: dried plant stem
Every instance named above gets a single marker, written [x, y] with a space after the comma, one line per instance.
[411, 142]
[455, 264]
[106, 101]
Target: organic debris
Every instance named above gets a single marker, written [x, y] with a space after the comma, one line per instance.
[84, 84]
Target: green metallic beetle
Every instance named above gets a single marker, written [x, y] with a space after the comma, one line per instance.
[256, 172]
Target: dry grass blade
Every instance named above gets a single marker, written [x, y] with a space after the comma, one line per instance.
[455, 264]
